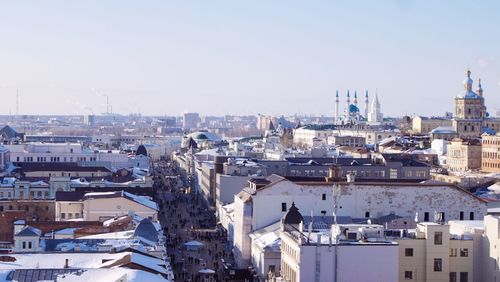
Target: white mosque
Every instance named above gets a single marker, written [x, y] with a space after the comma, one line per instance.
[352, 115]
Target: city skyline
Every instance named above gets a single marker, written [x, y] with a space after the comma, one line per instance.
[238, 58]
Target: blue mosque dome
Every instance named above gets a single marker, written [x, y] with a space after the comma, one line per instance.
[353, 108]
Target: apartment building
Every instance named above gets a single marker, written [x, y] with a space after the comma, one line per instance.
[463, 155]
[490, 153]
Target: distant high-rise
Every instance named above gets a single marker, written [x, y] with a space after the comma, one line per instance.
[190, 121]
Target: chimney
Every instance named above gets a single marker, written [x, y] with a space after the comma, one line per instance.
[66, 263]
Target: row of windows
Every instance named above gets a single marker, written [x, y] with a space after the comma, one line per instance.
[56, 159]
[491, 155]
[491, 165]
[464, 276]
[309, 172]
[70, 215]
[19, 208]
[496, 141]
[464, 252]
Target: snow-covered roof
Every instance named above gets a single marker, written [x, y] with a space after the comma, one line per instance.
[142, 200]
[111, 235]
[267, 237]
[113, 274]
[57, 260]
[66, 231]
[94, 194]
[29, 231]
[495, 188]
[39, 183]
[443, 130]
[138, 199]
[20, 222]
[149, 262]
[468, 94]
[194, 243]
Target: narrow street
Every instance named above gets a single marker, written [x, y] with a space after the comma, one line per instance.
[186, 219]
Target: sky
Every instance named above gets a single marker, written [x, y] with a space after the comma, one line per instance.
[244, 57]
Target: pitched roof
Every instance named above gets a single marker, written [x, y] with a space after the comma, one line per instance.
[138, 199]
[146, 230]
[29, 231]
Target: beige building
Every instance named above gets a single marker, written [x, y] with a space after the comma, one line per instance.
[490, 246]
[490, 153]
[424, 125]
[434, 255]
[463, 155]
[101, 206]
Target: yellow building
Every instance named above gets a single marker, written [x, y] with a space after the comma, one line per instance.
[433, 254]
[101, 206]
[424, 125]
[491, 153]
[463, 155]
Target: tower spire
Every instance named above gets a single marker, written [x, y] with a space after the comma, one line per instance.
[336, 107]
[366, 104]
[479, 88]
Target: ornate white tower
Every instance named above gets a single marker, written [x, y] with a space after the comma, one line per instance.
[375, 116]
[355, 98]
[336, 121]
[366, 104]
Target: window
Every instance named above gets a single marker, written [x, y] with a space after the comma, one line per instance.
[438, 238]
[438, 265]
[408, 252]
[453, 277]
[464, 252]
[30, 245]
[453, 252]
[426, 216]
[408, 275]
[323, 197]
[471, 215]
[272, 268]
[63, 215]
[24, 245]
[464, 276]
[367, 214]
[283, 207]
[461, 215]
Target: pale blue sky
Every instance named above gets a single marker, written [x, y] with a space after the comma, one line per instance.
[244, 57]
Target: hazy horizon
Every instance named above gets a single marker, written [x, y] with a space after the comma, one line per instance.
[225, 57]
